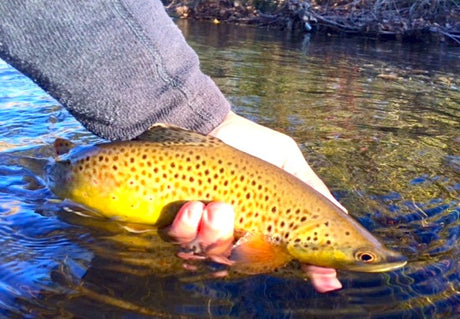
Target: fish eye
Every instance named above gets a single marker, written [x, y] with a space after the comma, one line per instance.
[365, 256]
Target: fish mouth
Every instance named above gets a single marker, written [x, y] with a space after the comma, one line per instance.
[390, 263]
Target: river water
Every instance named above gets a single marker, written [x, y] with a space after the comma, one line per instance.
[378, 121]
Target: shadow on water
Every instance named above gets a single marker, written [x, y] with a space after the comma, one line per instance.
[378, 121]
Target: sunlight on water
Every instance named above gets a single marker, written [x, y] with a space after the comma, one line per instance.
[378, 121]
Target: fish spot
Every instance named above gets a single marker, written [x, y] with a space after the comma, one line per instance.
[326, 224]
[101, 158]
[328, 242]
[133, 169]
[274, 209]
[304, 218]
[282, 224]
[347, 233]
[297, 211]
[269, 228]
[197, 166]
[241, 220]
[248, 195]
[267, 198]
[286, 235]
[191, 179]
[114, 167]
[173, 165]
[221, 170]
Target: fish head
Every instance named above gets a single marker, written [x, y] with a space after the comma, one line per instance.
[343, 245]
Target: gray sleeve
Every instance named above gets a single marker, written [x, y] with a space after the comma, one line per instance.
[117, 66]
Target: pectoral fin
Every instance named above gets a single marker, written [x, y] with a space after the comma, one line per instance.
[255, 254]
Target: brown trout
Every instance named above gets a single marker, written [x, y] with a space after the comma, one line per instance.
[146, 181]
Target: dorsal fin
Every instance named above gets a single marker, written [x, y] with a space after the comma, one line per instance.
[170, 134]
[62, 146]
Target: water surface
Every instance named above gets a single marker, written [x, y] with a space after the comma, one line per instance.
[379, 121]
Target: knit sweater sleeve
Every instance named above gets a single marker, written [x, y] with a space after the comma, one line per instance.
[117, 66]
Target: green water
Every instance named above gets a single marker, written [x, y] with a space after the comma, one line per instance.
[378, 121]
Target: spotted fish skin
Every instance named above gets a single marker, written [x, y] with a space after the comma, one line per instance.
[146, 181]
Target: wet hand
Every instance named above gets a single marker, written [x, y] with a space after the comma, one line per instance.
[208, 230]
[205, 230]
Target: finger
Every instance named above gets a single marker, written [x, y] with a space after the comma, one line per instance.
[215, 233]
[323, 279]
[184, 228]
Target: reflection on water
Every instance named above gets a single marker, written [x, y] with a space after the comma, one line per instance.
[378, 121]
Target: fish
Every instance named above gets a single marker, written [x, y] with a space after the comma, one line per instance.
[278, 218]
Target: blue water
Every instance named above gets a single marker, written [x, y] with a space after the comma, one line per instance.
[389, 149]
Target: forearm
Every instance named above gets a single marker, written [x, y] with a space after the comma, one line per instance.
[117, 66]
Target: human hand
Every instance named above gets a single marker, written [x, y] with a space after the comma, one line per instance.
[209, 228]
